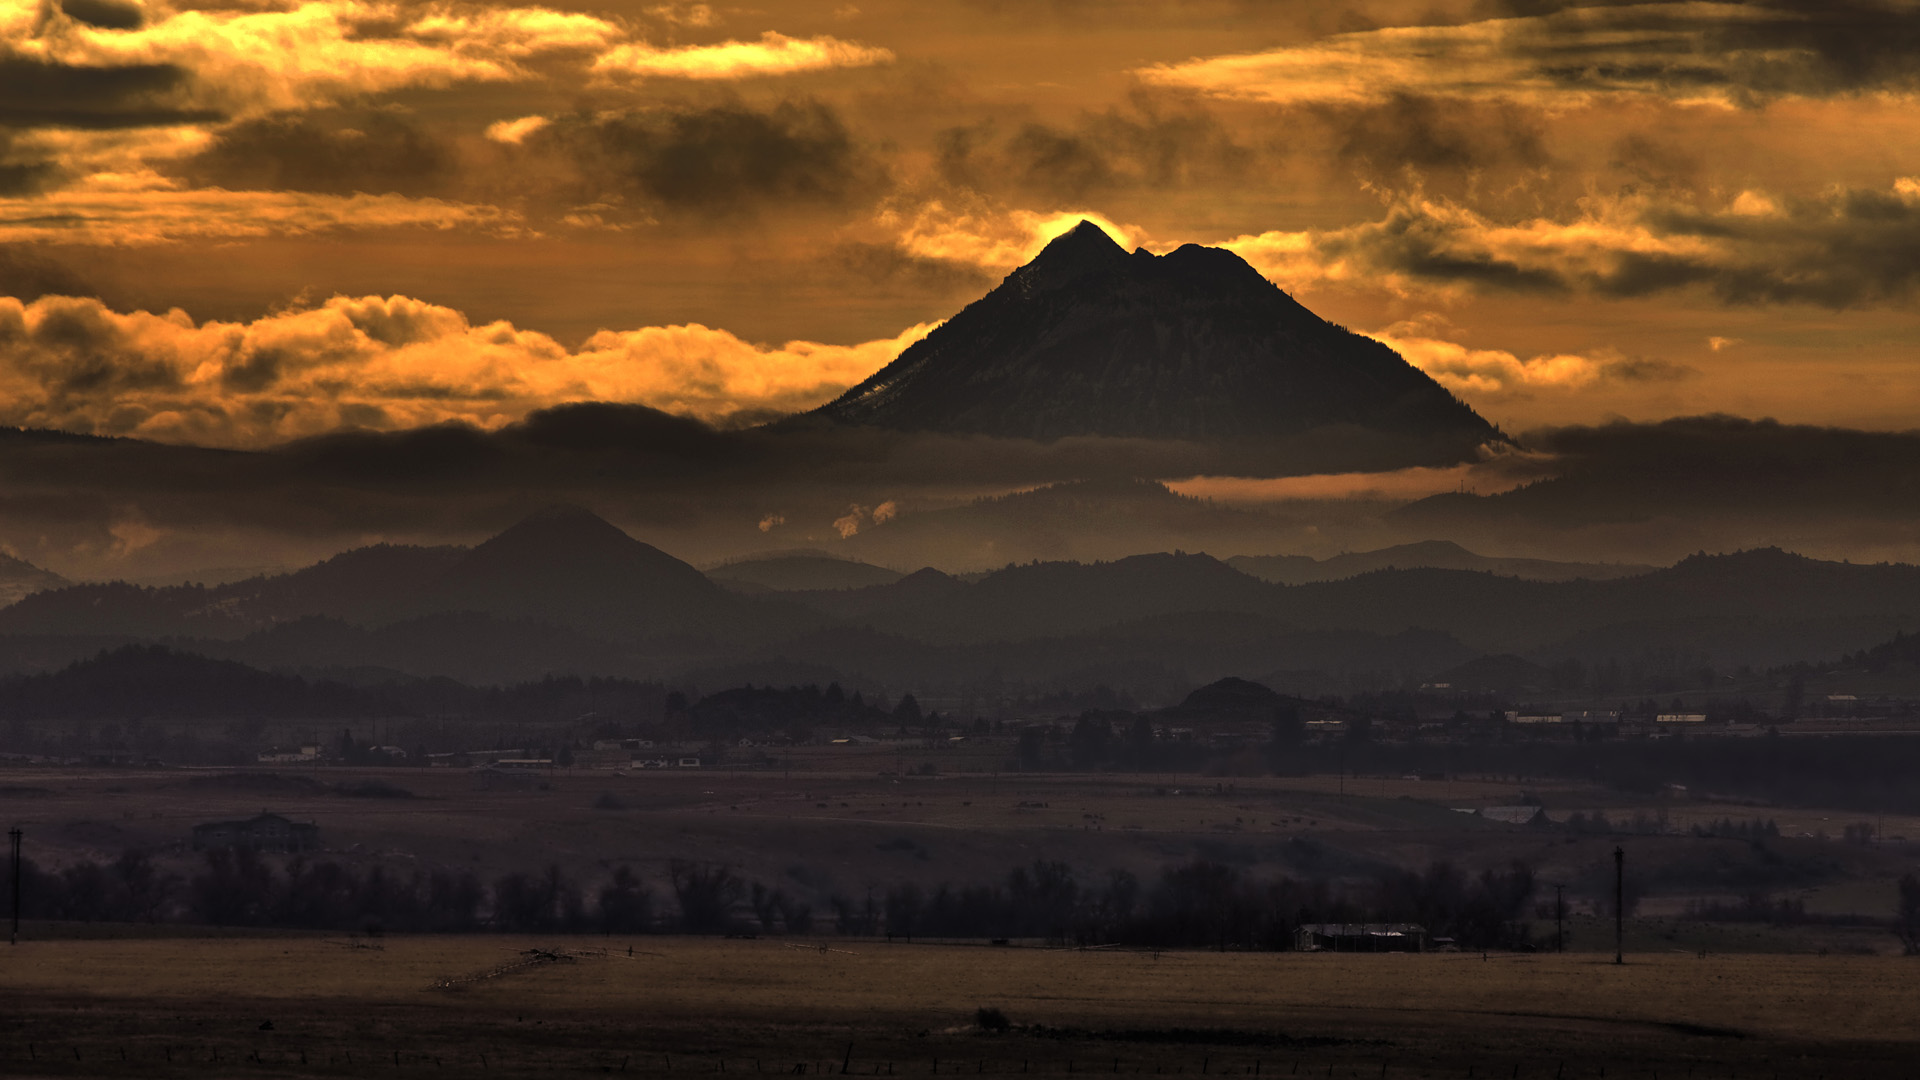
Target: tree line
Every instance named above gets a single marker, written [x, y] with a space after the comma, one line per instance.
[1198, 904]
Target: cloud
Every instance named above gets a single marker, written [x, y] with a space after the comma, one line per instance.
[773, 54]
[1154, 144]
[392, 363]
[1840, 248]
[377, 152]
[515, 132]
[148, 210]
[37, 91]
[1726, 54]
[849, 523]
[105, 14]
[718, 159]
[1499, 472]
[1488, 371]
[686, 14]
[247, 62]
[1427, 134]
[1479, 372]
[988, 236]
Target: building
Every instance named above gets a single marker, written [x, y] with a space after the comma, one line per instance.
[267, 832]
[510, 773]
[1360, 937]
[1514, 815]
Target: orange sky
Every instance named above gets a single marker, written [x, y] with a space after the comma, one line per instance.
[254, 220]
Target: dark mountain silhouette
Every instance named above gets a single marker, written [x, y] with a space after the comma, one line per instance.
[363, 585]
[800, 570]
[569, 567]
[1231, 694]
[150, 681]
[1089, 340]
[1433, 554]
[20, 578]
[563, 567]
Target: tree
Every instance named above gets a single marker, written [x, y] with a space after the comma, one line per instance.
[706, 893]
[1907, 923]
[908, 710]
[626, 905]
[904, 903]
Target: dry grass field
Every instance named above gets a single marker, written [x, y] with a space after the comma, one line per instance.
[336, 1007]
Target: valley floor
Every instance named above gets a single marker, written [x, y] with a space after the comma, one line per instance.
[314, 1006]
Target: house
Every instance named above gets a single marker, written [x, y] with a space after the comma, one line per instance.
[1681, 718]
[267, 832]
[688, 763]
[1360, 937]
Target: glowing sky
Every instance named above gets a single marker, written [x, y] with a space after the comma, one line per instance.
[242, 221]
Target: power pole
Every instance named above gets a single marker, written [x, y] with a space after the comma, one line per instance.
[13, 835]
[1559, 919]
[1619, 905]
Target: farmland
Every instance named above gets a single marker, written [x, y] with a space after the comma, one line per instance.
[292, 1006]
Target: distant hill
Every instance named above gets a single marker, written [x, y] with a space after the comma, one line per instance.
[1088, 339]
[802, 570]
[1432, 554]
[569, 567]
[19, 578]
[363, 585]
[1505, 673]
[152, 682]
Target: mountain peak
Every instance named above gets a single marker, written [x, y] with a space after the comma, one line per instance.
[1194, 345]
[1073, 254]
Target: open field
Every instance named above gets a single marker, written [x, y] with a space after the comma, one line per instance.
[193, 1007]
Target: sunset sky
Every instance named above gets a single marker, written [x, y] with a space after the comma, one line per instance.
[239, 222]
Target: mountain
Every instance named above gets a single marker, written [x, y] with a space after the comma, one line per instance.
[19, 578]
[799, 570]
[364, 585]
[1434, 554]
[572, 568]
[1195, 345]
[564, 567]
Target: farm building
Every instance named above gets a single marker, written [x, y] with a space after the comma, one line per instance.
[1514, 815]
[267, 832]
[510, 773]
[1360, 937]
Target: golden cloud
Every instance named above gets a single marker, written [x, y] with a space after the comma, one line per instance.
[1842, 247]
[1471, 371]
[142, 208]
[992, 239]
[773, 54]
[250, 61]
[1699, 53]
[381, 363]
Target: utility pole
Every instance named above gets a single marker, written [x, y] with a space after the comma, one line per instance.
[1559, 919]
[1619, 904]
[13, 836]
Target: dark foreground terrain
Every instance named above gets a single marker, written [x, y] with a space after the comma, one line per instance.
[308, 1006]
